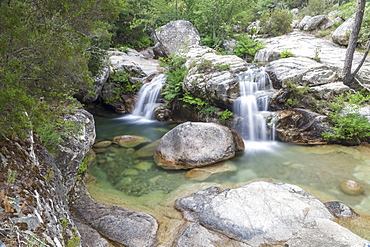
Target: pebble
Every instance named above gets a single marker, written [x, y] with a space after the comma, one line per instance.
[351, 187]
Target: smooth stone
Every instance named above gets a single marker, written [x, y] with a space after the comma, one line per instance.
[130, 172]
[351, 187]
[100, 150]
[201, 174]
[102, 144]
[129, 141]
[144, 166]
[146, 151]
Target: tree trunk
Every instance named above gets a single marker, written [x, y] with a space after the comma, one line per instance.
[348, 76]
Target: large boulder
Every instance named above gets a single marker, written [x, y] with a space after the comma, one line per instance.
[76, 145]
[260, 214]
[312, 23]
[342, 33]
[175, 37]
[192, 145]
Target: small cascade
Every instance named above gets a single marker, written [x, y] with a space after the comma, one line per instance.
[253, 104]
[148, 96]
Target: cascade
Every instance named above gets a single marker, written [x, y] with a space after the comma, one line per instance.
[148, 96]
[252, 105]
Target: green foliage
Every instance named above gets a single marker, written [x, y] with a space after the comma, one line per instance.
[222, 67]
[46, 51]
[348, 124]
[226, 114]
[176, 72]
[204, 107]
[205, 65]
[276, 23]
[12, 175]
[122, 77]
[49, 175]
[286, 53]
[247, 47]
[295, 93]
[317, 54]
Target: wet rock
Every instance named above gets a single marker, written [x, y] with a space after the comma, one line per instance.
[201, 174]
[341, 210]
[191, 145]
[144, 166]
[260, 214]
[130, 172]
[300, 126]
[102, 144]
[126, 227]
[129, 141]
[351, 187]
[174, 37]
[146, 151]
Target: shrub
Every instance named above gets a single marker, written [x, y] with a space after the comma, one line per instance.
[286, 53]
[176, 72]
[276, 23]
[348, 124]
[247, 47]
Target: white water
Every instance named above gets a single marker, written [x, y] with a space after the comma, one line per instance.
[147, 99]
[252, 105]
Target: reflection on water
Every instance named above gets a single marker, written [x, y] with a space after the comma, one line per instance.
[318, 169]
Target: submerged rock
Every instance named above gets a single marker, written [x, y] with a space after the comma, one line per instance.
[191, 145]
[351, 187]
[260, 214]
[129, 141]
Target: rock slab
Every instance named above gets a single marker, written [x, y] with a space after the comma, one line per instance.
[260, 214]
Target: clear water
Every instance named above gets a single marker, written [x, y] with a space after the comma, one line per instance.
[318, 169]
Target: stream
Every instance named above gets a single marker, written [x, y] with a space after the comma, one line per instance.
[318, 169]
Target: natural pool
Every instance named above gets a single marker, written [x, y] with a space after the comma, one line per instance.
[138, 184]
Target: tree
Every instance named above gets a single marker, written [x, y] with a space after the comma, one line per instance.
[45, 51]
[347, 68]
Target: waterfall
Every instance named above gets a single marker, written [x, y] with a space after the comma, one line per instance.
[148, 96]
[252, 105]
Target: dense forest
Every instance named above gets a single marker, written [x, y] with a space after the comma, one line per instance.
[49, 50]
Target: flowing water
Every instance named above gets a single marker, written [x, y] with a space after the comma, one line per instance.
[148, 96]
[252, 105]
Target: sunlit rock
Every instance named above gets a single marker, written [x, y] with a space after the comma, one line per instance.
[260, 214]
[175, 37]
[341, 210]
[342, 33]
[129, 141]
[191, 145]
[351, 187]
